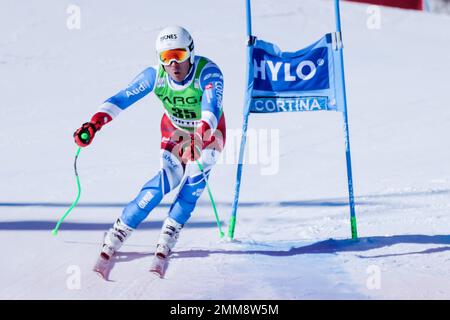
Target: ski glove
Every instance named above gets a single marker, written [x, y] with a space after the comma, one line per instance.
[86, 133]
[193, 151]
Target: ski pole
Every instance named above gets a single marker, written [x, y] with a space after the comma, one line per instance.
[84, 136]
[211, 198]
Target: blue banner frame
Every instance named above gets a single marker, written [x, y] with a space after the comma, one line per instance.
[263, 95]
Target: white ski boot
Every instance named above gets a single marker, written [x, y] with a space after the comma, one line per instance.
[169, 235]
[168, 238]
[112, 241]
[114, 238]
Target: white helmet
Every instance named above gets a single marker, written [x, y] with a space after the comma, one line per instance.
[174, 38]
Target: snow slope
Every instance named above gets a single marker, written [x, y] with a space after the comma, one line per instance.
[292, 235]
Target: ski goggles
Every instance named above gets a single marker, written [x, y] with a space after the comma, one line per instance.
[178, 55]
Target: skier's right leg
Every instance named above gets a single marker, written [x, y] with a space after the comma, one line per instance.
[114, 238]
[151, 194]
[148, 198]
[153, 191]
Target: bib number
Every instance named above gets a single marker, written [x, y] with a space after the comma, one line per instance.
[183, 113]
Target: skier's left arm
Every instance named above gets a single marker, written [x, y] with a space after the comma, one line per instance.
[211, 81]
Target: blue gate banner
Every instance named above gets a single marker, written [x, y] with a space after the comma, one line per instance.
[305, 80]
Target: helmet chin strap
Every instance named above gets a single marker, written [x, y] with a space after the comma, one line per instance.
[191, 67]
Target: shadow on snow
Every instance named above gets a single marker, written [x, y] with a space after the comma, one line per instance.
[88, 226]
[332, 202]
[305, 203]
[330, 246]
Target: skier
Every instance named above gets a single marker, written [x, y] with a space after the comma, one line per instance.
[190, 88]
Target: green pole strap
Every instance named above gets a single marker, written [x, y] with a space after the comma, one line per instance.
[212, 199]
[353, 226]
[231, 227]
[55, 230]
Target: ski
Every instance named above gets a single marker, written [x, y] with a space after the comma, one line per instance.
[102, 267]
[159, 265]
